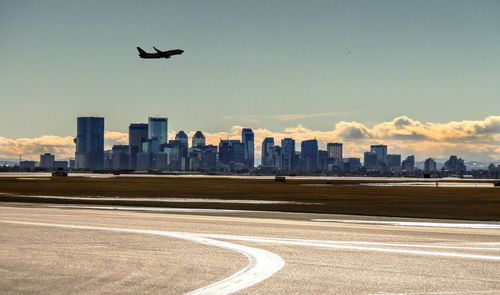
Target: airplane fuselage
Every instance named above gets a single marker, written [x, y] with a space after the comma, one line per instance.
[161, 54]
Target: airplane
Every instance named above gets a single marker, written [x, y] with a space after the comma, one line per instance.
[159, 53]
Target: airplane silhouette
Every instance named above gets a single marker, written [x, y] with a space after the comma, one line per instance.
[159, 53]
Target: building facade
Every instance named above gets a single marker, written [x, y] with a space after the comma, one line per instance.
[90, 143]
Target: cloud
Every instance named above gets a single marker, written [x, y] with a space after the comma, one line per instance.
[470, 139]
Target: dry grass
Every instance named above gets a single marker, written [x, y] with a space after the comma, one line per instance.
[345, 198]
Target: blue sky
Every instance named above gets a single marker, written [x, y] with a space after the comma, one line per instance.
[261, 64]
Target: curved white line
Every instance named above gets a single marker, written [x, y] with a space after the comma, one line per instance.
[263, 264]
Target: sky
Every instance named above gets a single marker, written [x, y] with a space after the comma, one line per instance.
[284, 68]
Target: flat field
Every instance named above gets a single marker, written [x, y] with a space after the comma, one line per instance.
[311, 196]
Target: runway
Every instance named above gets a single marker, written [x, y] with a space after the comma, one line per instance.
[88, 251]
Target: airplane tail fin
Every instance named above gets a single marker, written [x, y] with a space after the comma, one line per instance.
[141, 52]
[157, 50]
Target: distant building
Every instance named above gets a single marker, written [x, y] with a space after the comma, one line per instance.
[267, 153]
[182, 137]
[455, 165]
[309, 154]
[381, 151]
[60, 165]
[231, 155]
[137, 134]
[322, 160]
[371, 161]
[198, 139]
[429, 165]
[352, 164]
[394, 162]
[287, 154]
[27, 166]
[157, 133]
[120, 157]
[335, 152]
[409, 163]
[276, 158]
[90, 143]
[47, 161]
[247, 138]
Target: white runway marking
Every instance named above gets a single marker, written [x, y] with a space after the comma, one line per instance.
[415, 223]
[263, 264]
[337, 245]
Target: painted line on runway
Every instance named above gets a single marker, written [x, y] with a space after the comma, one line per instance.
[441, 293]
[329, 244]
[271, 239]
[263, 264]
[414, 223]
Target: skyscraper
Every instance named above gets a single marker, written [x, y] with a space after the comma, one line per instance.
[409, 163]
[137, 134]
[267, 152]
[381, 151]
[309, 154]
[198, 139]
[182, 137]
[287, 154]
[394, 162]
[429, 165]
[157, 133]
[90, 143]
[370, 161]
[335, 152]
[247, 138]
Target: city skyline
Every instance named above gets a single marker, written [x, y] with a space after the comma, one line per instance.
[352, 147]
[418, 76]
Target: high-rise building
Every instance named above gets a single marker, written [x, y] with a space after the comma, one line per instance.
[247, 138]
[120, 157]
[157, 133]
[137, 134]
[90, 143]
[370, 161]
[381, 151]
[455, 165]
[409, 163]
[276, 157]
[394, 162]
[267, 152]
[231, 155]
[352, 164]
[429, 165]
[335, 152]
[182, 137]
[309, 154]
[287, 154]
[47, 161]
[198, 139]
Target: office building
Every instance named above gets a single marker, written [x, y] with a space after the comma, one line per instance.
[381, 151]
[287, 154]
[120, 157]
[429, 165]
[157, 133]
[394, 162]
[198, 139]
[352, 164]
[370, 161]
[137, 134]
[408, 164]
[267, 152]
[231, 155]
[335, 152]
[90, 143]
[247, 138]
[455, 165]
[182, 137]
[47, 161]
[309, 154]
[57, 165]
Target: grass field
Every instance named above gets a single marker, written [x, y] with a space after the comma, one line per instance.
[346, 197]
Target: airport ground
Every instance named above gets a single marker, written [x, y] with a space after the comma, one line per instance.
[56, 249]
[345, 196]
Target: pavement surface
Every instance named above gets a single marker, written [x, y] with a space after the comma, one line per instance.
[60, 250]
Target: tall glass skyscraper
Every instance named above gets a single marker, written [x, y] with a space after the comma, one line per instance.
[247, 137]
[287, 154]
[137, 134]
[157, 133]
[267, 152]
[309, 154]
[89, 143]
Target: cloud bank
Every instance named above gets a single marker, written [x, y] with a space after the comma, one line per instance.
[472, 140]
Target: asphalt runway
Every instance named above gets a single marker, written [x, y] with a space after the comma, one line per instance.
[54, 250]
